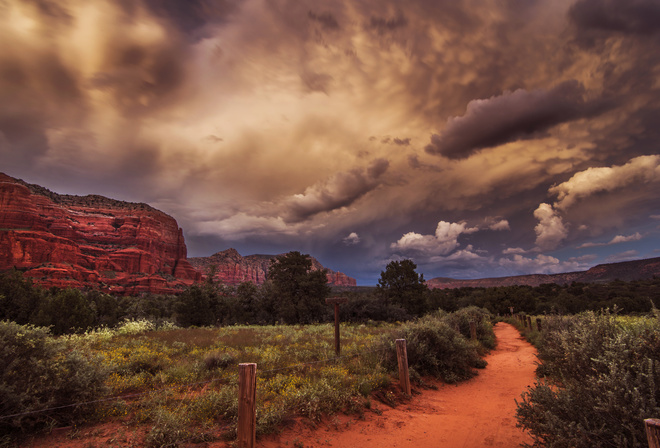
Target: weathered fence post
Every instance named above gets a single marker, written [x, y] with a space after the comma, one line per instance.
[529, 322]
[247, 405]
[652, 432]
[336, 301]
[473, 330]
[538, 324]
[402, 359]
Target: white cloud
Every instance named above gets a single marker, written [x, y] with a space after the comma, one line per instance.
[443, 242]
[514, 250]
[352, 239]
[550, 231]
[639, 170]
[500, 225]
[616, 240]
[541, 264]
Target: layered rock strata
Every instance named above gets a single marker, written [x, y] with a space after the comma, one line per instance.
[231, 268]
[90, 241]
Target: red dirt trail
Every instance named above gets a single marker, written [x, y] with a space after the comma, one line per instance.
[474, 414]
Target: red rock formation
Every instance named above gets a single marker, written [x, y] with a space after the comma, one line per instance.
[90, 241]
[231, 268]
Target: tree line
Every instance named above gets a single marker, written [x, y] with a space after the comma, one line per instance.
[295, 294]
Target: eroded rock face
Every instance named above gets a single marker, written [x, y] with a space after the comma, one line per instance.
[231, 268]
[90, 241]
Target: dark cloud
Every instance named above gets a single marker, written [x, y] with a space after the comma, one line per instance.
[387, 25]
[341, 190]
[401, 141]
[142, 77]
[510, 117]
[316, 82]
[326, 19]
[641, 17]
[191, 16]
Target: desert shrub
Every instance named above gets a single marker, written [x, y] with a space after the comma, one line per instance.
[39, 372]
[602, 382]
[483, 320]
[434, 348]
[216, 360]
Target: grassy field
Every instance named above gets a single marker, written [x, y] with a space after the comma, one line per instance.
[181, 385]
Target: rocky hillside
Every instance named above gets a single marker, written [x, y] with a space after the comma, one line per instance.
[232, 268]
[90, 241]
[602, 273]
[101, 243]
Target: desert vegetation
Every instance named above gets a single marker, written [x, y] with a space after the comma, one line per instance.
[180, 385]
[598, 380]
[167, 365]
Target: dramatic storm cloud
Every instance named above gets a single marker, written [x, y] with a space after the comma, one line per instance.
[509, 138]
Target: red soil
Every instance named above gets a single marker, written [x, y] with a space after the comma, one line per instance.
[474, 414]
[477, 413]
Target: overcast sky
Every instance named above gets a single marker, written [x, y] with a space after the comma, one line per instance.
[477, 138]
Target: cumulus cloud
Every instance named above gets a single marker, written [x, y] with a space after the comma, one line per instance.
[509, 117]
[642, 170]
[550, 231]
[352, 239]
[500, 225]
[443, 242]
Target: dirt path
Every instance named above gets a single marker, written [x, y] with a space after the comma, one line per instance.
[477, 413]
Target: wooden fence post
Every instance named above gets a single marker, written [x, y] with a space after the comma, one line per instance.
[653, 432]
[473, 330]
[529, 323]
[538, 324]
[336, 301]
[402, 359]
[247, 405]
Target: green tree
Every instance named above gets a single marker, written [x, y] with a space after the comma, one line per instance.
[66, 311]
[300, 292]
[194, 307]
[401, 284]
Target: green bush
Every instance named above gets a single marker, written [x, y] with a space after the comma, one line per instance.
[603, 378]
[483, 321]
[39, 372]
[436, 349]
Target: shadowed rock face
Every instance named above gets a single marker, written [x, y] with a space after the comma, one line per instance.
[625, 271]
[231, 268]
[90, 241]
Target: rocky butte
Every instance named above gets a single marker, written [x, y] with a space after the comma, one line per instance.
[101, 243]
[90, 241]
[231, 268]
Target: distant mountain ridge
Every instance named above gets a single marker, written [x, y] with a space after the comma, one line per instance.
[602, 273]
[232, 268]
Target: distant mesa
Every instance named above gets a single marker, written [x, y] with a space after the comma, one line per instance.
[231, 268]
[602, 273]
[101, 243]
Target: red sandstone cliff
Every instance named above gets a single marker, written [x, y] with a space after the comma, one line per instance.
[90, 241]
[232, 268]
